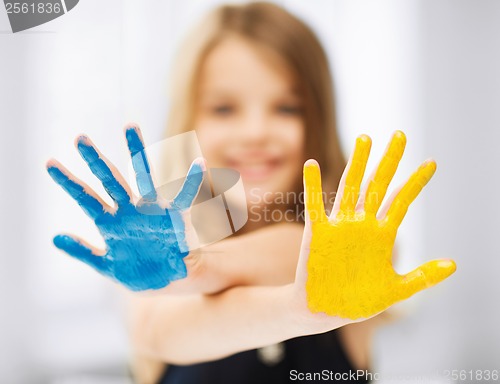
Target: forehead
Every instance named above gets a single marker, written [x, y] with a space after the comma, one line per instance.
[238, 65]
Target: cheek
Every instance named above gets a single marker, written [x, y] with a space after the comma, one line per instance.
[212, 141]
[293, 139]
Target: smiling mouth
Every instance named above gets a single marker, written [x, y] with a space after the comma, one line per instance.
[256, 171]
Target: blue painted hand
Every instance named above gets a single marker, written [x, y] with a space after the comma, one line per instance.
[145, 242]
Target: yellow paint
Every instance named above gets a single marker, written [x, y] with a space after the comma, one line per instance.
[350, 272]
[377, 187]
[357, 166]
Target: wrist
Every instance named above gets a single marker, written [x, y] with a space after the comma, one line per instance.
[207, 271]
[193, 281]
[221, 266]
[303, 320]
[194, 263]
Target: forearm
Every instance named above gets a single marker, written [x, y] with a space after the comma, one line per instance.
[196, 328]
[206, 274]
[267, 256]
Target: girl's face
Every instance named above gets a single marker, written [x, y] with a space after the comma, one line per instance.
[249, 118]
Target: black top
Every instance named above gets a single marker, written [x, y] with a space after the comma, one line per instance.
[322, 354]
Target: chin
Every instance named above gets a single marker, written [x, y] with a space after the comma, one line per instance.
[263, 194]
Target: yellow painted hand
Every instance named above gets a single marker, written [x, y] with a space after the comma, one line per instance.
[349, 269]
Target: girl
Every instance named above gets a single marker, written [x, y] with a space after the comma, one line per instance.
[254, 84]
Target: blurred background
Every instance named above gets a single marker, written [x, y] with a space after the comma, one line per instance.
[429, 68]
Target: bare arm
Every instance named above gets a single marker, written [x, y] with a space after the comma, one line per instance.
[196, 328]
[344, 275]
[267, 256]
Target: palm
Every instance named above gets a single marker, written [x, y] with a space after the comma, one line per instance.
[349, 269]
[144, 249]
[145, 243]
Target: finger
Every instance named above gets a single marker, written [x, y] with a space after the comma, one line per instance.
[409, 192]
[82, 251]
[78, 190]
[191, 186]
[140, 164]
[348, 193]
[426, 276]
[315, 209]
[360, 206]
[104, 171]
[382, 212]
[377, 187]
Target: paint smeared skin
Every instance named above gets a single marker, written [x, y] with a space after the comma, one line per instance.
[145, 243]
[141, 166]
[350, 272]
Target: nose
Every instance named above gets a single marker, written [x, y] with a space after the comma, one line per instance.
[255, 128]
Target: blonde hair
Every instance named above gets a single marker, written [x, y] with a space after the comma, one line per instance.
[273, 28]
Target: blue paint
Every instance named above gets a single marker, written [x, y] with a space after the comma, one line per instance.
[102, 171]
[186, 196]
[77, 249]
[141, 165]
[89, 204]
[146, 243]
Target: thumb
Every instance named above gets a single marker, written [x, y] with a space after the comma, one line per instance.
[426, 276]
[84, 252]
[314, 206]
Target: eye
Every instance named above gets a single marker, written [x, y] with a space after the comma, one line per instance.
[289, 109]
[223, 110]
